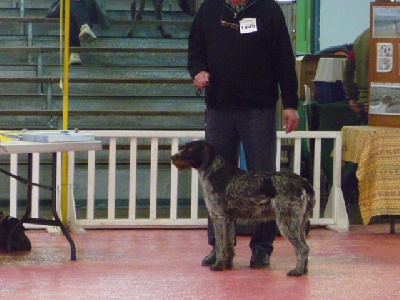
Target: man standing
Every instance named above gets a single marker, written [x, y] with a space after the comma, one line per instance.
[240, 52]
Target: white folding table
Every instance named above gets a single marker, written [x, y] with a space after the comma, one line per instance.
[25, 147]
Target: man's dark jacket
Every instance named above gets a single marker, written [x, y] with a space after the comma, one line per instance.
[246, 70]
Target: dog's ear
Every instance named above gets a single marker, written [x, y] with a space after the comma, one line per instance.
[209, 146]
[205, 146]
[200, 153]
[207, 153]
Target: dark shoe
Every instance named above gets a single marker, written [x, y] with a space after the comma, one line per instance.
[131, 33]
[164, 34]
[259, 259]
[210, 259]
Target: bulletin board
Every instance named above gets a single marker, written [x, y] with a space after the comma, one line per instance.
[384, 65]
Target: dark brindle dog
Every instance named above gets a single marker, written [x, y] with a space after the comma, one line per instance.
[231, 193]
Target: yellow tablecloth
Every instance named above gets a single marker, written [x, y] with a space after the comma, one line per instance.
[376, 150]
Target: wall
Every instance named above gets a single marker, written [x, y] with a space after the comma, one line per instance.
[342, 21]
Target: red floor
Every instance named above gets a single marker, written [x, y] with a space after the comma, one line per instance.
[165, 264]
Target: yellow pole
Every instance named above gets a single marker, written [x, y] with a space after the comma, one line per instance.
[65, 89]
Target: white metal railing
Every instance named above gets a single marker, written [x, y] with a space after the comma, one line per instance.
[335, 216]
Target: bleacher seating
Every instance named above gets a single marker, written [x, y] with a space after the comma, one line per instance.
[123, 83]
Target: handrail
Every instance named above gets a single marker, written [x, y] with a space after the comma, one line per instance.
[39, 49]
[98, 80]
[99, 113]
[115, 22]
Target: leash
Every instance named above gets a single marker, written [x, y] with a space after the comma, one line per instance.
[198, 95]
[26, 181]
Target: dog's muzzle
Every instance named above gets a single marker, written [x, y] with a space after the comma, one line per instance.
[180, 163]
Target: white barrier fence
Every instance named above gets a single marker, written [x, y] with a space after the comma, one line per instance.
[160, 146]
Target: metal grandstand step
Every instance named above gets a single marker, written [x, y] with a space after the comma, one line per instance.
[145, 73]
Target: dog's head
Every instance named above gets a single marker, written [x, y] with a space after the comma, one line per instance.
[197, 154]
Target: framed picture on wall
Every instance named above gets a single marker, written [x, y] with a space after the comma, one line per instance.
[386, 22]
[384, 99]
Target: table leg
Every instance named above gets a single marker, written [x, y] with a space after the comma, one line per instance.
[56, 221]
[54, 207]
[392, 225]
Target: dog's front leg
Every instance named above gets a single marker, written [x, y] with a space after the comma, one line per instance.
[220, 243]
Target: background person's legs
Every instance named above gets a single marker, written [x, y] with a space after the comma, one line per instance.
[81, 18]
[83, 12]
[139, 16]
[158, 5]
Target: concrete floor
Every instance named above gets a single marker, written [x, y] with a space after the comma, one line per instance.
[165, 264]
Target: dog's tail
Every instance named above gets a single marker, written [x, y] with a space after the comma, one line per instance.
[310, 193]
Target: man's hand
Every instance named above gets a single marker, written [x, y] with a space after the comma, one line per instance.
[202, 79]
[291, 119]
[355, 106]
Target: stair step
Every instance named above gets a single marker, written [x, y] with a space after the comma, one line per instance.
[17, 25]
[98, 54]
[95, 71]
[147, 84]
[110, 4]
[107, 42]
[135, 86]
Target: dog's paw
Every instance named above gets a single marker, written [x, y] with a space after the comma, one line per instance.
[217, 267]
[296, 272]
[229, 265]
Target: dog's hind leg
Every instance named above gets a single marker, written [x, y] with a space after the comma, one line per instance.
[220, 229]
[294, 231]
[230, 243]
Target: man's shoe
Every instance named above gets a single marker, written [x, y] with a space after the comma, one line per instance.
[74, 59]
[259, 259]
[86, 35]
[210, 259]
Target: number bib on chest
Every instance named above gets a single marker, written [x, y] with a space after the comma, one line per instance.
[248, 25]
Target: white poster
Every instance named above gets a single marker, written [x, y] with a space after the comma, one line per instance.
[384, 60]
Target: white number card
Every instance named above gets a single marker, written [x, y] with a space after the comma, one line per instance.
[248, 25]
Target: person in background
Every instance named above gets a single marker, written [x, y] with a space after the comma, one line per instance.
[356, 87]
[356, 74]
[84, 13]
[344, 49]
[240, 52]
[158, 4]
